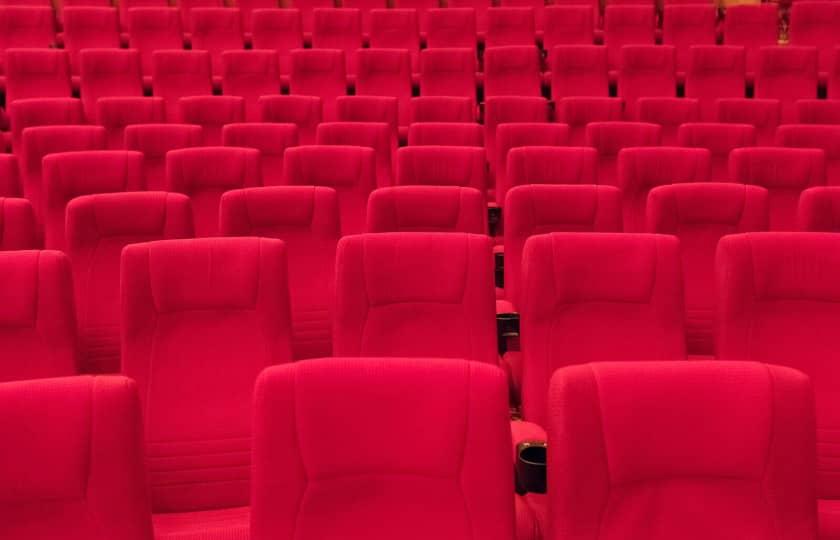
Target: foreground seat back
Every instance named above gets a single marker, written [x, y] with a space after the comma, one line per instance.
[83, 477]
[461, 408]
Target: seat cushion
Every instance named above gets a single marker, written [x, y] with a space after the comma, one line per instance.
[221, 524]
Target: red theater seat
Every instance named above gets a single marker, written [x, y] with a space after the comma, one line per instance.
[720, 140]
[32, 112]
[25, 27]
[763, 114]
[577, 285]
[684, 26]
[450, 464]
[510, 26]
[108, 73]
[700, 214]
[204, 174]
[579, 70]
[441, 109]
[448, 72]
[409, 313]
[37, 73]
[396, 29]
[445, 134]
[307, 11]
[778, 304]
[212, 113]
[98, 228]
[116, 113]
[735, 437]
[154, 141]
[17, 225]
[339, 29]
[89, 28]
[669, 113]
[480, 7]
[512, 71]
[642, 169]
[38, 337]
[715, 72]
[644, 71]
[151, 29]
[427, 209]
[826, 138]
[819, 209]
[250, 75]
[814, 24]
[382, 109]
[508, 109]
[579, 112]
[462, 166]
[568, 25]
[319, 73]
[784, 172]
[548, 165]
[270, 139]
[787, 74]
[422, 7]
[303, 111]
[9, 176]
[201, 318]
[350, 170]
[609, 138]
[751, 27]
[627, 25]
[817, 111]
[385, 72]
[247, 8]
[510, 136]
[453, 27]
[178, 74]
[278, 30]
[306, 219]
[83, 477]
[216, 29]
[380, 137]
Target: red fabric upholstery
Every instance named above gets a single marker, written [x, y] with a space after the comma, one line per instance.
[384, 109]
[216, 29]
[441, 109]
[154, 141]
[720, 140]
[270, 139]
[87, 27]
[213, 310]
[108, 73]
[510, 136]
[512, 71]
[25, 27]
[115, 113]
[733, 437]
[510, 26]
[578, 112]
[784, 172]
[608, 138]
[817, 111]
[303, 111]
[452, 479]
[627, 25]
[642, 169]
[81, 479]
[700, 215]
[752, 27]
[17, 225]
[819, 209]
[350, 170]
[31, 112]
[278, 30]
[98, 227]
[319, 73]
[763, 114]
[685, 26]
[826, 138]
[670, 113]
[787, 74]
[37, 73]
[453, 27]
[577, 285]
[373, 135]
[396, 29]
[448, 72]
[204, 174]
[68, 175]
[388, 304]
[385, 72]
[151, 29]
[249, 75]
[180, 73]
[568, 25]
[578, 70]
[187, 7]
[445, 134]
[338, 29]
[441, 166]
[813, 24]
[646, 70]
[38, 321]
[307, 8]
[540, 209]
[212, 113]
[307, 220]
[427, 209]
[548, 165]
[509, 109]
[9, 176]
[715, 72]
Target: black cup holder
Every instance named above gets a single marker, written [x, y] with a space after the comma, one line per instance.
[531, 467]
[507, 324]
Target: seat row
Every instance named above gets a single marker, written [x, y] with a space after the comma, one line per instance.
[189, 308]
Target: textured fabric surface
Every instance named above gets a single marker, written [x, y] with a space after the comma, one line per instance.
[177, 73]
[720, 139]
[609, 138]
[108, 73]
[270, 139]
[645, 70]
[154, 141]
[427, 209]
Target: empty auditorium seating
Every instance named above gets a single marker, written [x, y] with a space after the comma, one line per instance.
[814, 24]
[826, 138]
[307, 9]
[448, 72]
[350, 170]
[250, 75]
[108, 73]
[37, 142]
[378, 136]
[98, 227]
[441, 109]
[684, 26]
[115, 113]
[17, 224]
[445, 134]
[427, 209]
[787, 74]
[67, 175]
[205, 173]
[406, 313]
[89, 28]
[212, 113]
[752, 27]
[396, 29]
[578, 112]
[454, 27]
[784, 173]
[642, 169]
[201, 318]
[645, 70]
[817, 111]
[278, 30]
[720, 140]
[508, 109]
[548, 165]
[421, 7]
[270, 139]
[36, 73]
[625, 288]
[38, 337]
[180, 73]
[303, 111]
[510, 136]
[83, 477]
[669, 113]
[568, 25]
[715, 72]
[306, 218]
[512, 71]
[700, 214]
[385, 72]
[609, 138]
[216, 29]
[481, 11]
[778, 305]
[338, 29]
[510, 26]
[247, 9]
[458, 464]
[578, 70]
[747, 423]
[763, 114]
[384, 109]
[319, 73]
[627, 25]
[9, 176]
[25, 27]
[540, 209]
[154, 141]
[153, 28]
[32, 112]
[819, 209]
[441, 166]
